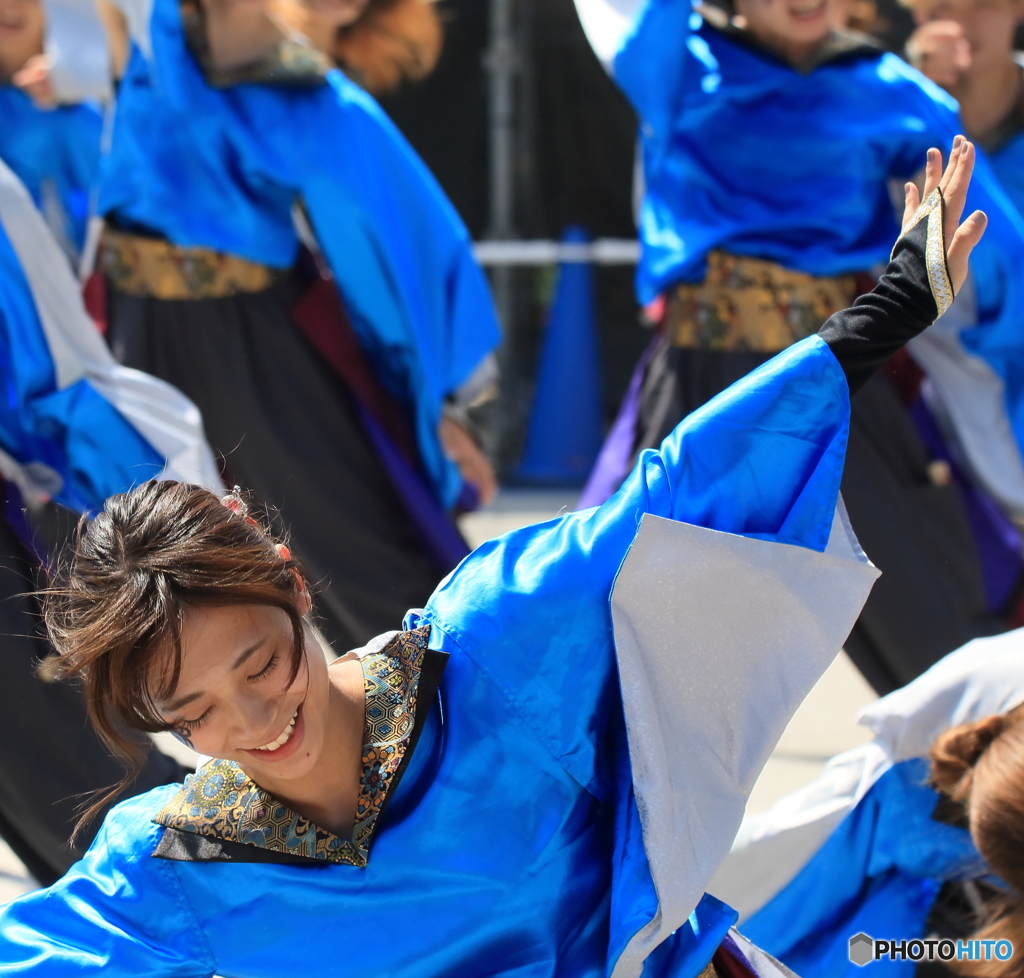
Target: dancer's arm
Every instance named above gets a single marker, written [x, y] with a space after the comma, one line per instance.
[118, 912]
[763, 459]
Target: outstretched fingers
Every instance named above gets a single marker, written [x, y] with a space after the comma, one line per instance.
[955, 182]
[912, 198]
[933, 177]
[933, 171]
[962, 244]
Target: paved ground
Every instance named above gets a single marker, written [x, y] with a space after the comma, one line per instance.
[823, 726]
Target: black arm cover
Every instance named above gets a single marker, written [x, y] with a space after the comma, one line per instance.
[878, 324]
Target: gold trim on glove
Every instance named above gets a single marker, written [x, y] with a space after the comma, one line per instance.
[933, 207]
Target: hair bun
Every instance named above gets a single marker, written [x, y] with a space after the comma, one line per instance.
[955, 753]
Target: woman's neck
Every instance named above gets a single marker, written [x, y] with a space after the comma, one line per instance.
[327, 795]
[987, 94]
[238, 33]
[793, 52]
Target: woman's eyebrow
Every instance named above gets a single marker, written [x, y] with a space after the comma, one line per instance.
[256, 646]
[185, 700]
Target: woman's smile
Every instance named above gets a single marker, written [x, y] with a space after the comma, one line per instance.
[285, 744]
[808, 9]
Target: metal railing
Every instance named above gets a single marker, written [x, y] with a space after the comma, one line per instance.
[603, 251]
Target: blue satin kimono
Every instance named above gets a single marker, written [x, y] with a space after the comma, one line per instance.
[222, 169]
[55, 153]
[513, 842]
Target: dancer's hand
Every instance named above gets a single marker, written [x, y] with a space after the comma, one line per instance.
[940, 50]
[33, 78]
[459, 446]
[960, 238]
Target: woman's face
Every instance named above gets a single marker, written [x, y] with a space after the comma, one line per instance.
[793, 26]
[335, 14]
[22, 26]
[234, 699]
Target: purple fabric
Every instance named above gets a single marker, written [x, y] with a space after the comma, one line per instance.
[616, 458]
[734, 949]
[438, 531]
[996, 538]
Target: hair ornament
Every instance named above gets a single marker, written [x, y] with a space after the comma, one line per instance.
[237, 505]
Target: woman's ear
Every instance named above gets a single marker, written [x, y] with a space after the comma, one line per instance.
[303, 601]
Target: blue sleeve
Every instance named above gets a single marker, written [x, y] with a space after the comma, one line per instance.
[403, 262]
[763, 459]
[75, 430]
[118, 913]
[651, 65]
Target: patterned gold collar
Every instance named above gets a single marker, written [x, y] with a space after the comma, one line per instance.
[293, 62]
[221, 807]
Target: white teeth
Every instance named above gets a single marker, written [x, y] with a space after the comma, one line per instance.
[285, 734]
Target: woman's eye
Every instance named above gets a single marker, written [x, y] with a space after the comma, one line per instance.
[266, 670]
[192, 725]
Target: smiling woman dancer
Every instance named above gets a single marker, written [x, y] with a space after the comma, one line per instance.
[474, 783]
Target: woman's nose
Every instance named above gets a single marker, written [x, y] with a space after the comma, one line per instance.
[253, 718]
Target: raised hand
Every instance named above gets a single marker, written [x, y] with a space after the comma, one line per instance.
[952, 183]
[33, 78]
[940, 50]
[473, 465]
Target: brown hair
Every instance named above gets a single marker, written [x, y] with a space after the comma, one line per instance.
[392, 42]
[982, 765]
[114, 613]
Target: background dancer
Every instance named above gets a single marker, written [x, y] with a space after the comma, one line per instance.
[333, 413]
[503, 831]
[739, 264]
[54, 150]
[873, 846]
[74, 428]
[967, 47]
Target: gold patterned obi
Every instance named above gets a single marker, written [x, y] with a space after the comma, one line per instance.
[752, 305]
[143, 266]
